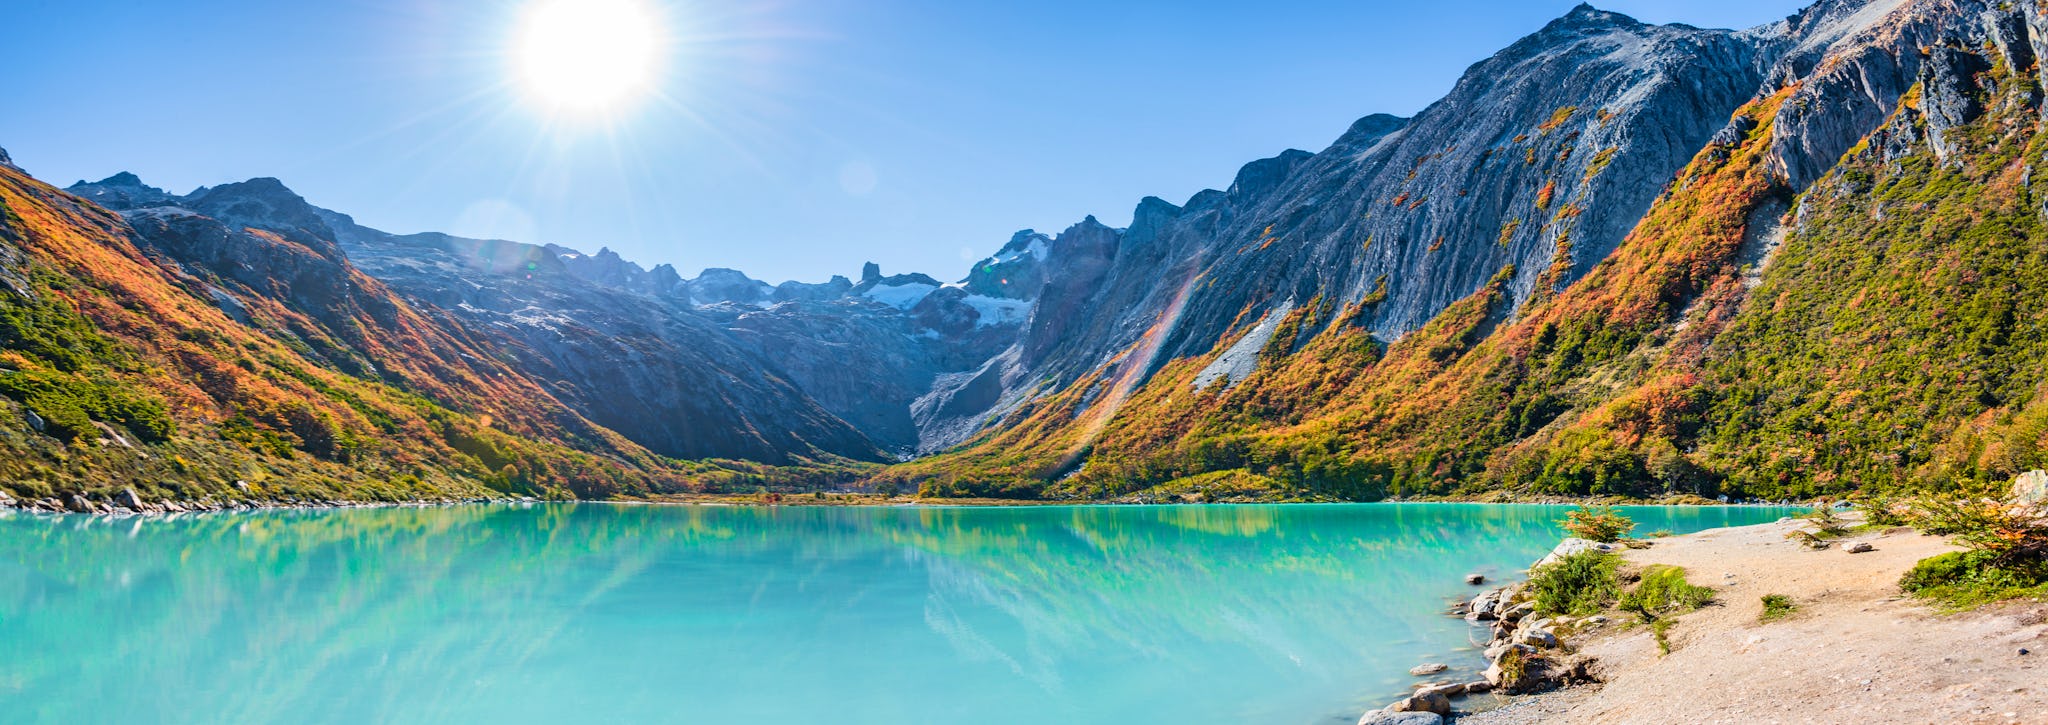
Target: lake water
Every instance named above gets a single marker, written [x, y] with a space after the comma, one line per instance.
[607, 613]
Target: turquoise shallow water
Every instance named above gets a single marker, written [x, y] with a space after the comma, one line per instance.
[601, 613]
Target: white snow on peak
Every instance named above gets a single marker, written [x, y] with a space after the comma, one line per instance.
[998, 311]
[900, 296]
[1036, 249]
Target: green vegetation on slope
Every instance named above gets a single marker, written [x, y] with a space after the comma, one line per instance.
[1896, 340]
[119, 370]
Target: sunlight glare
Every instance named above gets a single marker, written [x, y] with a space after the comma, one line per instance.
[588, 56]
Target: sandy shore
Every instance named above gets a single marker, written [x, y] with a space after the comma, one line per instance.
[1855, 651]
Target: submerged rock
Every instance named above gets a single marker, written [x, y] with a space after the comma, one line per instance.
[1383, 717]
[1428, 669]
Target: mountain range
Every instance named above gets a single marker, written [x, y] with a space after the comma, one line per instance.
[1617, 258]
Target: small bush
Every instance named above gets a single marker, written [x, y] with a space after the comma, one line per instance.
[1776, 607]
[1881, 509]
[1823, 514]
[1578, 584]
[2013, 535]
[1514, 666]
[1597, 523]
[2007, 554]
[1663, 590]
[1965, 579]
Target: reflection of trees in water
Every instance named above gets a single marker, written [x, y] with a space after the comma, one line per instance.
[259, 614]
[1314, 591]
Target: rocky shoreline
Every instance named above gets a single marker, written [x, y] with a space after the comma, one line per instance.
[126, 502]
[1524, 652]
[1854, 648]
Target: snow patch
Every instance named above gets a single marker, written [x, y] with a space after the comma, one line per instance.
[1036, 249]
[900, 296]
[998, 311]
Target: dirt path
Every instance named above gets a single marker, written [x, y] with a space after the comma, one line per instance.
[1855, 651]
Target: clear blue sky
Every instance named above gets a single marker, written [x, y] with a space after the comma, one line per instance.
[800, 138]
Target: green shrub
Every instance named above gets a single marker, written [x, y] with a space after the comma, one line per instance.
[1578, 584]
[69, 402]
[2014, 536]
[1776, 607]
[1881, 509]
[1663, 589]
[1597, 523]
[1935, 571]
[1964, 579]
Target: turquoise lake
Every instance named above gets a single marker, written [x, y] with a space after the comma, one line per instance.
[705, 614]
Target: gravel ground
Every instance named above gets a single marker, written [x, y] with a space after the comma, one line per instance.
[1855, 651]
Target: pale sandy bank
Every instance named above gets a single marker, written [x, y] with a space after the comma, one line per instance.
[1855, 651]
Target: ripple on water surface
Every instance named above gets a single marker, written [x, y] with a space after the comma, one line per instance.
[582, 612]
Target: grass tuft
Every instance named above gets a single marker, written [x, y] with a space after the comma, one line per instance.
[1776, 607]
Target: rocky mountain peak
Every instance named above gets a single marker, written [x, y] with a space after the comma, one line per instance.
[1587, 17]
[124, 179]
[1261, 176]
[1368, 131]
[870, 272]
[718, 284]
[7, 161]
[265, 203]
[120, 192]
[1151, 216]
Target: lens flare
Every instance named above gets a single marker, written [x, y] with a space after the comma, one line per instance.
[588, 56]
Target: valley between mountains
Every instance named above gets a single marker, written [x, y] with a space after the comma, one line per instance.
[1617, 258]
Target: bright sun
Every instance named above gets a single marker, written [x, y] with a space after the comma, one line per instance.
[588, 56]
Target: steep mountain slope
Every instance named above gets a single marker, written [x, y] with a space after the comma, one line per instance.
[1664, 367]
[1542, 157]
[1616, 258]
[177, 355]
[669, 382]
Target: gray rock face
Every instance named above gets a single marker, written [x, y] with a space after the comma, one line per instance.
[1848, 62]
[7, 161]
[671, 381]
[1949, 95]
[717, 285]
[645, 366]
[1542, 158]
[1547, 152]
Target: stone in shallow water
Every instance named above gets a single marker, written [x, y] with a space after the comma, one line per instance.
[1428, 669]
[1383, 717]
[1423, 702]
